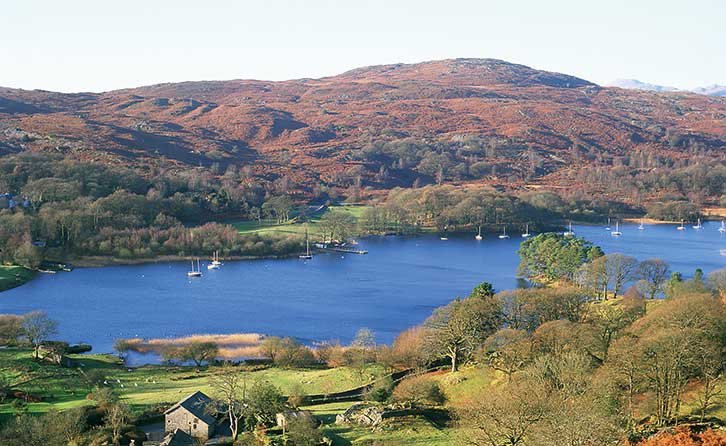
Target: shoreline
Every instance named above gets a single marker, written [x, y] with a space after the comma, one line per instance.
[651, 221]
[101, 261]
[13, 276]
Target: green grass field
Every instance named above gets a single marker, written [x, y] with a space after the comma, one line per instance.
[270, 226]
[401, 431]
[143, 387]
[12, 276]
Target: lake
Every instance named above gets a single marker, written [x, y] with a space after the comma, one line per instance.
[394, 287]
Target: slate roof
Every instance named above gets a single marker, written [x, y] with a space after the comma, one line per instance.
[178, 438]
[196, 403]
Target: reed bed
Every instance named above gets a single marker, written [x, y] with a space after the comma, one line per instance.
[231, 346]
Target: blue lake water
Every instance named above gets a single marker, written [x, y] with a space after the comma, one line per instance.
[394, 287]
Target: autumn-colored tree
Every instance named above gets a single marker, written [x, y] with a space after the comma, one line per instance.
[457, 329]
[419, 390]
[408, 349]
[527, 309]
[608, 320]
[271, 346]
[671, 343]
[508, 350]
[502, 416]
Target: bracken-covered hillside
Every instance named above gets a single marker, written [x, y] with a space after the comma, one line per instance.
[462, 120]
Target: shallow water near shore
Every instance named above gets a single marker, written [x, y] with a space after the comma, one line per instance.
[393, 287]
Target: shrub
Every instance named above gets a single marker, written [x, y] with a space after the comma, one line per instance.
[302, 432]
[419, 390]
[297, 396]
[683, 436]
[381, 390]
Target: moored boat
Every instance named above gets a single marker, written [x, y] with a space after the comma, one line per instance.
[195, 272]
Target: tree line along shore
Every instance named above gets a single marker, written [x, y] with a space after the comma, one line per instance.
[56, 210]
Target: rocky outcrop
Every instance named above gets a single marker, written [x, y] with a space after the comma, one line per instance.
[362, 414]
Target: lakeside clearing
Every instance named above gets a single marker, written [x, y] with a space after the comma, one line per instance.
[297, 228]
[12, 276]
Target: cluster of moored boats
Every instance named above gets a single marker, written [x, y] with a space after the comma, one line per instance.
[614, 232]
[216, 263]
[196, 270]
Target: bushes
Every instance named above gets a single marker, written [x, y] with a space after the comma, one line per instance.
[381, 391]
[674, 210]
[287, 352]
[683, 436]
[419, 390]
[11, 328]
[301, 431]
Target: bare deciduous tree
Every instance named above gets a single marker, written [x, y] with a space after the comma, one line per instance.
[38, 327]
[229, 385]
[653, 273]
[117, 417]
[619, 269]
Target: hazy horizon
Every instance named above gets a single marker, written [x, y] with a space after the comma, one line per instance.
[95, 46]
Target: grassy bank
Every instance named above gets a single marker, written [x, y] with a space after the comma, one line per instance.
[297, 228]
[12, 276]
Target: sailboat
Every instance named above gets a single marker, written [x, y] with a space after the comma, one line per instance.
[699, 225]
[504, 232]
[308, 254]
[616, 232]
[722, 229]
[569, 232]
[215, 261]
[682, 227]
[478, 235]
[607, 228]
[195, 272]
[642, 225]
[526, 231]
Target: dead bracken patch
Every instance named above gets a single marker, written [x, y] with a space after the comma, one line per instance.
[231, 346]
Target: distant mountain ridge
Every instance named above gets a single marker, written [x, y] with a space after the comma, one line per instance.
[634, 84]
[482, 120]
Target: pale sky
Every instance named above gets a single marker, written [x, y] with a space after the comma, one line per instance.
[99, 45]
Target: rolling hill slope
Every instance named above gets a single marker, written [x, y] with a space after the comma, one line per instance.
[460, 120]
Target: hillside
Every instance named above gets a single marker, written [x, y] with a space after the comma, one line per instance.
[461, 120]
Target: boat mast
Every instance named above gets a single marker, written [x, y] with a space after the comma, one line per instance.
[307, 240]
